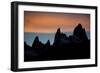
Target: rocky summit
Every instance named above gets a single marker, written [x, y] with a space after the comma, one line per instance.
[75, 46]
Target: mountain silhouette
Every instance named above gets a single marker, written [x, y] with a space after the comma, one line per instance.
[75, 46]
[48, 43]
[60, 38]
[80, 33]
[36, 43]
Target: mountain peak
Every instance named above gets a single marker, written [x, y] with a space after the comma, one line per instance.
[80, 32]
[79, 25]
[48, 43]
[36, 39]
[58, 30]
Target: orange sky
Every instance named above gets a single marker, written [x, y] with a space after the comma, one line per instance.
[47, 22]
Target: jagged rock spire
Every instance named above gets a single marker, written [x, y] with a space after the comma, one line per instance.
[47, 43]
[57, 36]
[58, 30]
[80, 32]
[36, 41]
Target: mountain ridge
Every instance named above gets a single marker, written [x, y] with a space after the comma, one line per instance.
[62, 46]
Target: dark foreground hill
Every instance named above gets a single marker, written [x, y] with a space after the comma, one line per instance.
[76, 46]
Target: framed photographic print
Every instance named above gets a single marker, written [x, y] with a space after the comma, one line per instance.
[52, 36]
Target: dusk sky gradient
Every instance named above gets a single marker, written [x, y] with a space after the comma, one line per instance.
[49, 22]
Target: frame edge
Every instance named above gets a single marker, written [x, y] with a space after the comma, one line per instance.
[14, 39]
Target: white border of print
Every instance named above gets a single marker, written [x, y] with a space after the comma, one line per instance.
[38, 64]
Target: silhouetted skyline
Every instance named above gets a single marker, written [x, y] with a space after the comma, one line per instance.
[75, 46]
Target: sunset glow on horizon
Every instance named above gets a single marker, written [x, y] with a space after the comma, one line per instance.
[49, 22]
